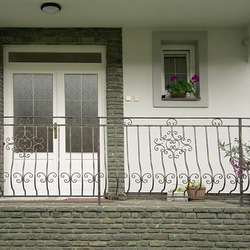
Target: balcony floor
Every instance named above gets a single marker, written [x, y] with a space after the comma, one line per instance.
[115, 203]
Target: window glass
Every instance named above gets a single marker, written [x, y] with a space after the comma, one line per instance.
[174, 65]
[55, 57]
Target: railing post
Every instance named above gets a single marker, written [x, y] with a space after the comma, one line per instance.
[1, 159]
[241, 161]
[98, 161]
[1, 121]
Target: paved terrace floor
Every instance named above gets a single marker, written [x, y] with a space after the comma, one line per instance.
[115, 203]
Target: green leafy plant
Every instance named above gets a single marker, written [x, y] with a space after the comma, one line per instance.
[183, 86]
[196, 184]
[179, 189]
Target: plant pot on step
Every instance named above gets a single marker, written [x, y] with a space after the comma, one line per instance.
[196, 194]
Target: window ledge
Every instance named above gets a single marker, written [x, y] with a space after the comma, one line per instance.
[181, 99]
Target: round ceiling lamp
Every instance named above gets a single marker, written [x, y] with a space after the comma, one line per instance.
[50, 8]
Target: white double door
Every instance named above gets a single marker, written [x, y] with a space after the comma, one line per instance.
[52, 149]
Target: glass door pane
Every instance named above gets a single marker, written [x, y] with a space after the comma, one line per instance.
[81, 110]
[33, 112]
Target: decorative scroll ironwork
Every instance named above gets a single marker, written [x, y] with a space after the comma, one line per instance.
[192, 155]
[33, 170]
[93, 178]
[171, 122]
[46, 178]
[128, 121]
[159, 155]
[217, 122]
[173, 144]
[25, 143]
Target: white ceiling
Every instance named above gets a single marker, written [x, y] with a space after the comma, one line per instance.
[127, 13]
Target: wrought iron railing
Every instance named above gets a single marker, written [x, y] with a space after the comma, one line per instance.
[64, 158]
[167, 155]
[161, 156]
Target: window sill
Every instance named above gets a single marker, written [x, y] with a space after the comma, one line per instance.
[181, 99]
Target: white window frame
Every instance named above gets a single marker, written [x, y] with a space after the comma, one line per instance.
[188, 50]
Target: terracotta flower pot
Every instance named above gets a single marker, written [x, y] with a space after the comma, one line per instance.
[180, 95]
[196, 194]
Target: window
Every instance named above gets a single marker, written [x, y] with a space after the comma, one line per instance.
[182, 54]
[177, 60]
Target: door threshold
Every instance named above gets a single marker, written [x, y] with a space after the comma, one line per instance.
[53, 200]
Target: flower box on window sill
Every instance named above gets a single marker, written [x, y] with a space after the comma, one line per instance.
[169, 98]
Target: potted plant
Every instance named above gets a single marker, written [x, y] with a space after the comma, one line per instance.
[177, 194]
[179, 88]
[237, 157]
[196, 191]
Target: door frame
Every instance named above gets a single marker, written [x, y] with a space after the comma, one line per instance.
[99, 68]
[59, 68]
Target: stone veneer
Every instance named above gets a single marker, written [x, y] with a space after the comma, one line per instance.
[112, 38]
[124, 226]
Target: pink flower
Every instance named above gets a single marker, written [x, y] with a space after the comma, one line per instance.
[195, 78]
[173, 78]
[237, 167]
[234, 164]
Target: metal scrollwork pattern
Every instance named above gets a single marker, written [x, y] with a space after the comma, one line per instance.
[217, 122]
[172, 144]
[46, 178]
[70, 178]
[128, 121]
[25, 143]
[171, 122]
[23, 178]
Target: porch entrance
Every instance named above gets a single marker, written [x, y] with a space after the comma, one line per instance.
[52, 133]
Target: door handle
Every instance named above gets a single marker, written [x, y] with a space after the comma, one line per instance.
[55, 130]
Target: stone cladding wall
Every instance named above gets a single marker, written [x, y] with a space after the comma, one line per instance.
[91, 227]
[112, 39]
[1, 114]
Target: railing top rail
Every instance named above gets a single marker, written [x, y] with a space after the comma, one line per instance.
[134, 117]
[128, 121]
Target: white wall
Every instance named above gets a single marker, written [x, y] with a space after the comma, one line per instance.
[228, 75]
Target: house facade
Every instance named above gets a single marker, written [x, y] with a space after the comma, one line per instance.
[133, 82]
[86, 112]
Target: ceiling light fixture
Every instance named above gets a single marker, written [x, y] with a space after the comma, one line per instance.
[50, 8]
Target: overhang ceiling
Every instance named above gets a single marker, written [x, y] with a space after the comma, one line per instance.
[127, 13]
